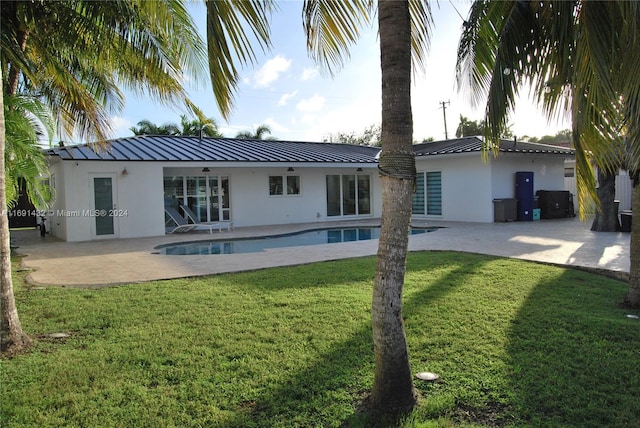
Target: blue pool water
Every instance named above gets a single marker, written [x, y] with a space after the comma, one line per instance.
[255, 245]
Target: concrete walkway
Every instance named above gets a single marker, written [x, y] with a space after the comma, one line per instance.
[121, 261]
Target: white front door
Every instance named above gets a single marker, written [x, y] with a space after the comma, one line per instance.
[103, 188]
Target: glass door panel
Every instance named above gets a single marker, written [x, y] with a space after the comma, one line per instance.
[364, 199]
[349, 195]
[197, 196]
[103, 198]
[333, 195]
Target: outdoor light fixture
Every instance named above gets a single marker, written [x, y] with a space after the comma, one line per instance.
[205, 169]
[290, 169]
[359, 170]
[124, 171]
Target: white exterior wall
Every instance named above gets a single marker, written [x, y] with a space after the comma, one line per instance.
[548, 173]
[251, 204]
[470, 185]
[466, 186]
[137, 196]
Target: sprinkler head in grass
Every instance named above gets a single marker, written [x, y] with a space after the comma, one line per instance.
[428, 376]
[58, 335]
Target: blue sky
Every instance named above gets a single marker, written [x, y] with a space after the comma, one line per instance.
[286, 90]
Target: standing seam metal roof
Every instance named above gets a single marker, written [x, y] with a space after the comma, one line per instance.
[182, 148]
[474, 144]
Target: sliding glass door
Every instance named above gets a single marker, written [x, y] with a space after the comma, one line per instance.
[348, 195]
[207, 196]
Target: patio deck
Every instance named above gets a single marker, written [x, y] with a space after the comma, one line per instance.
[120, 261]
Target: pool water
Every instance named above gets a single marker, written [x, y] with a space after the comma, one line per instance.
[256, 245]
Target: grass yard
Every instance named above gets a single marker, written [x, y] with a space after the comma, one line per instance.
[515, 344]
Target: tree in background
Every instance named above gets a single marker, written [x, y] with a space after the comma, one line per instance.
[371, 136]
[146, 127]
[469, 128]
[194, 127]
[207, 127]
[561, 138]
[576, 55]
[257, 134]
[49, 50]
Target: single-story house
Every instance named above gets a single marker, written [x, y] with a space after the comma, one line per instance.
[122, 191]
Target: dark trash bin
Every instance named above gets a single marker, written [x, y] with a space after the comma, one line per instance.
[626, 217]
[504, 210]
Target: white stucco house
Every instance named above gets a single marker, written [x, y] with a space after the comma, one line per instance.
[121, 191]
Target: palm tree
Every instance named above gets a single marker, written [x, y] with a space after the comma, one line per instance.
[576, 55]
[11, 334]
[146, 127]
[257, 134]
[48, 50]
[404, 27]
[206, 127]
[27, 123]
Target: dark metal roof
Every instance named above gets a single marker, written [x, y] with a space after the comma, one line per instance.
[474, 144]
[179, 148]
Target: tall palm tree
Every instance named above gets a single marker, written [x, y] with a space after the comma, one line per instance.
[404, 29]
[49, 50]
[578, 57]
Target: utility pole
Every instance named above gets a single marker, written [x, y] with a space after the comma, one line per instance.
[444, 115]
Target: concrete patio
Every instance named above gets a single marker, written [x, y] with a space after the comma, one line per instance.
[120, 261]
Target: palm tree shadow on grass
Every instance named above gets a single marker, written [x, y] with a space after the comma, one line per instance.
[346, 368]
[573, 366]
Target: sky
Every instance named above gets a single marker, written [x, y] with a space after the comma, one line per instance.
[285, 89]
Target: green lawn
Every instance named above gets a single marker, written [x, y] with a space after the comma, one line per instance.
[515, 344]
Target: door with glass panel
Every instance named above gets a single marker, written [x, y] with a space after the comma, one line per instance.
[219, 198]
[103, 190]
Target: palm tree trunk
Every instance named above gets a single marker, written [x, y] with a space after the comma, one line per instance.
[11, 336]
[606, 219]
[633, 295]
[393, 391]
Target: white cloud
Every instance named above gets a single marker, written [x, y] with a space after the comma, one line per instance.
[309, 73]
[120, 126]
[285, 98]
[315, 103]
[270, 71]
[276, 127]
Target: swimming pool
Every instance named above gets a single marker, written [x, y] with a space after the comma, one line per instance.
[255, 245]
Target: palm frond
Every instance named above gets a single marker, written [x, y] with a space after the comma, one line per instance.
[228, 42]
[332, 27]
[421, 26]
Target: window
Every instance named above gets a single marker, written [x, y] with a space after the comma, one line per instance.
[568, 172]
[348, 195]
[427, 200]
[277, 187]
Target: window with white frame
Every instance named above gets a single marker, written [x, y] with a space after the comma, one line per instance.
[281, 185]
